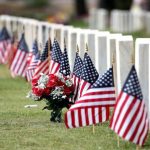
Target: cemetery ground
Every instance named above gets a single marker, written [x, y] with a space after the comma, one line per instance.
[30, 129]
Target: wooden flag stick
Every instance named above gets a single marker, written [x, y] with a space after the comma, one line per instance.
[93, 129]
[23, 29]
[55, 34]
[115, 83]
[86, 47]
[77, 49]
[137, 147]
[36, 33]
[133, 57]
[4, 23]
[118, 141]
[64, 43]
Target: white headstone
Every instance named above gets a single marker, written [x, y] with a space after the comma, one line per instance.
[92, 18]
[27, 23]
[40, 34]
[112, 47]
[81, 41]
[100, 51]
[147, 21]
[142, 64]
[91, 38]
[72, 46]
[64, 35]
[124, 53]
[102, 20]
[55, 32]
[45, 32]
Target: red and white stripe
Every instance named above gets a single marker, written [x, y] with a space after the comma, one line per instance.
[54, 67]
[30, 55]
[31, 68]
[96, 97]
[83, 87]
[86, 116]
[8, 51]
[42, 67]
[76, 83]
[3, 46]
[19, 64]
[92, 106]
[30, 74]
[130, 119]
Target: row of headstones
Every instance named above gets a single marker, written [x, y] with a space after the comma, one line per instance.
[119, 20]
[104, 48]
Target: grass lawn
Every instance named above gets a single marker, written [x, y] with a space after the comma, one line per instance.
[29, 129]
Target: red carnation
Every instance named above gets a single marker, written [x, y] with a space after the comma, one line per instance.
[47, 91]
[67, 90]
[37, 91]
[52, 82]
[35, 81]
[60, 83]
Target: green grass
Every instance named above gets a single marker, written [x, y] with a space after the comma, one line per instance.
[30, 129]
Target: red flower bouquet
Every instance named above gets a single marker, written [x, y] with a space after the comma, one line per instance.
[55, 90]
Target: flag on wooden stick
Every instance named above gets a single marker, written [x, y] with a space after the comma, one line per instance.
[64, 64]
[77, 69]
[33, 62]
[56, 55]
[130, 119]
[4, 42]
[88, 76]
[19, 64]
[43, 64]
[93, 106]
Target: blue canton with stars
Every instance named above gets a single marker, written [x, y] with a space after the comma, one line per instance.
[64, 66]
[56, 52]
[132, 85]
[106, 80]
[44, 54]
[22, 44]
[4, 35]
[35, 48]
[89, 72]
[37, 56]
[77, 69]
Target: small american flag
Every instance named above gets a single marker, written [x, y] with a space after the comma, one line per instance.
[9, 50]
[64, 65]
[88, 76]
[34, 61]
[13, 49]
[43, 64]
[93, 106]
[76, 75]
[130, 119]
[19, 64]
[55, 58]
[4, 42]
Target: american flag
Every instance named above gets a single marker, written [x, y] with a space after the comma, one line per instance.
[4, 41]
[93, 106]
[9, 50]
[77, 69]
[12, 53]
[55, 58]
[130, 119]
[64, 65]
[88, 76]
[43, 64]
[34, 61]
[19, 64]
